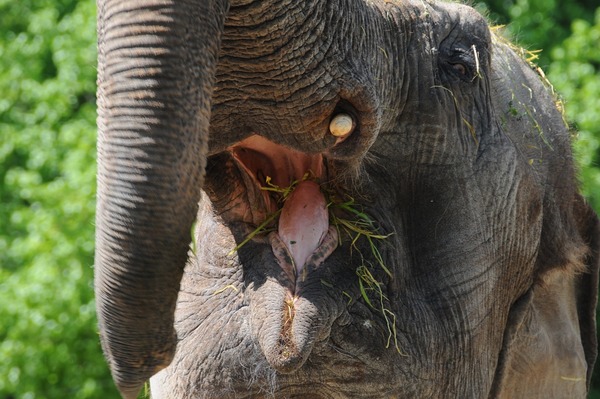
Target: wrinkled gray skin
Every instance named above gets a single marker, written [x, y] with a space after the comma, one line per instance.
[458, 150]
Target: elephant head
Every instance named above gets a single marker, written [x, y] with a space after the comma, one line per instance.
[381, 198]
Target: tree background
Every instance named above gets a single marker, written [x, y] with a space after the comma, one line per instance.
[48, 338]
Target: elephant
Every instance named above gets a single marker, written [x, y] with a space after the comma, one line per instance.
[335, 199]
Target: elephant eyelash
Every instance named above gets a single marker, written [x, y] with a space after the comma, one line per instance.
[476, 56]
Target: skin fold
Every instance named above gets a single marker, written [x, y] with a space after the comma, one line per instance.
[472, 269]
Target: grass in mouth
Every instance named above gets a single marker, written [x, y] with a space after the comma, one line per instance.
[361, 225]
[262, 228]
[283, 193]
[356, 225]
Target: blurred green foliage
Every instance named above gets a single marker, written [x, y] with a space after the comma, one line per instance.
[48, 340]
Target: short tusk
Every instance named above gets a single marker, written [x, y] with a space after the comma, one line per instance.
[341, 125]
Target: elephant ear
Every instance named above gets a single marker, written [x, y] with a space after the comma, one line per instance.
[550, 343]
[587, 295]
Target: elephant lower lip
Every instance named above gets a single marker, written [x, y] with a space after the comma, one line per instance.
[303, 222]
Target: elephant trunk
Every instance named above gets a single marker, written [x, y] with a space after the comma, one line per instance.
[156, 68]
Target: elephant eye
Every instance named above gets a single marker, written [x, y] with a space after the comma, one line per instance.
[461, 69]
[462, 63]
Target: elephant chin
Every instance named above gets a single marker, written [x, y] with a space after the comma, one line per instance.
[283, 195]
[289, 312]
[287, 339]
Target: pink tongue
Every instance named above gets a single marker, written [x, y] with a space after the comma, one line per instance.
[304, 221]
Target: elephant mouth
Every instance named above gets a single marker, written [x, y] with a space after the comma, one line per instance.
[286, 194]
[270, 194]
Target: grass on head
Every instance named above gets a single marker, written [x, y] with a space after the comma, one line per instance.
[531, 57]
